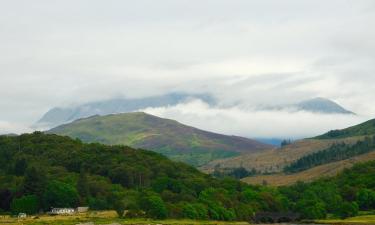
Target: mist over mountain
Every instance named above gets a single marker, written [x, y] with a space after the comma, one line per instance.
[314, 105]
[60, 115]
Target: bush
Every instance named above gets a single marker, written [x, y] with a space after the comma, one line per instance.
[27, 204]
[366, 199]
[60, 194]
[348, 209]
[154, 207]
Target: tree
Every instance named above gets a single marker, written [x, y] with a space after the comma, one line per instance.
[35, 181]
[154, 206]
[5, 199]
[366, 199]
[60, 194]
[119, 207]
[20, 167]
[348, 209]
[26, 204]
[188, 211]
[83, 187]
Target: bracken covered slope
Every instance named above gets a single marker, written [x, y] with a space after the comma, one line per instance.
[173, 139]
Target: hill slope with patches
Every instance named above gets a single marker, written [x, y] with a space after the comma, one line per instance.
[173, 139]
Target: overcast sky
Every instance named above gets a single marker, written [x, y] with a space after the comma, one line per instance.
[56, 53]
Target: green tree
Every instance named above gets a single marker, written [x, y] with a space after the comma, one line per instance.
[26, 204]
[366, 199]
[35, 181]
[83, 187]
[154, 206]
[348, 209]
[188, 211]
[59, 194]
[119, 207]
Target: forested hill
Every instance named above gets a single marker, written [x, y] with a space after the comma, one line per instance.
[171, 138]
[40, 171]
[363, 129]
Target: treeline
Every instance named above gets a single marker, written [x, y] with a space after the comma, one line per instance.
[39, 171]
[334, 153]
[237, 173]
[342, 196]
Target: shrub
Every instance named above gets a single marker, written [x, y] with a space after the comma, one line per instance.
[27, 204]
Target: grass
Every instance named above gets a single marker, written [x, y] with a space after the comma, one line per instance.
[103, 217]
[367, 219]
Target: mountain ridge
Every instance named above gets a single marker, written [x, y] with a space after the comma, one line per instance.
[62, 115]
[166, 136]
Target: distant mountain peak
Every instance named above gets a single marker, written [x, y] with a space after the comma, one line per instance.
[62, 115]
[322, 105]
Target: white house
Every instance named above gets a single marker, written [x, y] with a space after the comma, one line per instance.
[62, 211]
[82, 209]
[22, 215]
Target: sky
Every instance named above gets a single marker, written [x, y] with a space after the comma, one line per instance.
[243, 52]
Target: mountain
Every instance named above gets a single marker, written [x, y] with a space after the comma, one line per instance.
[314, 105]
[58, 115]
[173, 139]
[322, 105]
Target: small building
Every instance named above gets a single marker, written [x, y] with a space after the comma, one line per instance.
[22, 215]
[62, 211]
[82, 209]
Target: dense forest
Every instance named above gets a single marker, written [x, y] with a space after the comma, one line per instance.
[40, 171]
[334, 153]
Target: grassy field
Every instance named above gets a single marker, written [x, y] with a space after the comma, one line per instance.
[369, 219]
[106, 217]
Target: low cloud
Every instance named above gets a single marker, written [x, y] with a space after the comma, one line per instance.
[14, 128]
[255, 124]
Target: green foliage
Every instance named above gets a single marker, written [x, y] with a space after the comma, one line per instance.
[348, 209]
[341, 196]
[238, 173]
[366, 199]
[119, 207]
[154, 206]
[26, 204]
[334, 153]
[60, 195]
[62, 172]
[35, 181]
[366, 128]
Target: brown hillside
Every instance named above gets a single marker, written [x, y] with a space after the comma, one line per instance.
[274, 160]
[330, 169]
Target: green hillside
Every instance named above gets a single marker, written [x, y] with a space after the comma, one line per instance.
[363, 129]
[39, 171]
[175, 140]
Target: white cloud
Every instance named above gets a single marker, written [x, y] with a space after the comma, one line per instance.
[13, 128]
[244, 52]
[258, 124]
